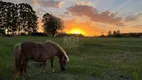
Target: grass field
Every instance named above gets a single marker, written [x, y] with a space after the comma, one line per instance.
[90, 59]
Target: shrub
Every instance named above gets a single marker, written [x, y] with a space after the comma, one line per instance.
[38, 34]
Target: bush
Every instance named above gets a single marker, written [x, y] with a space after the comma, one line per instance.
[23, 34]
[7, 35]
[38, 34]
[65, 34]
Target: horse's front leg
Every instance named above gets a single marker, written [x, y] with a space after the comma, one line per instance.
[25, 64]
[52, 61]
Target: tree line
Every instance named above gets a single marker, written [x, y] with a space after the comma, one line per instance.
[118, 34]
[21, 18]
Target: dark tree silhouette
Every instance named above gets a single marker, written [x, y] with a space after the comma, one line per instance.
[27, 19]
[3, 14]
[102, 35]
[118, 32]
[15, 17]
[114, 33]
[2, 17]
[109, 33]
[11, 17]
[8, 14]
[51, 24]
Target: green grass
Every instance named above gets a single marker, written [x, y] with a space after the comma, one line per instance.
[90, 59]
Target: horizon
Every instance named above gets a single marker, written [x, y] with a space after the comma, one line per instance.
[91, 17]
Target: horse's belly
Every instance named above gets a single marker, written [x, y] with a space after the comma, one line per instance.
[41, 58]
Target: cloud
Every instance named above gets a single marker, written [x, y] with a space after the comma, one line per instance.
[94, 15]
[139, 13]
[60, 4]
[131, 18]
[35, 2]
[137, 26]
[83, 3]
[135, 17]
[66, 13]
[51, 3]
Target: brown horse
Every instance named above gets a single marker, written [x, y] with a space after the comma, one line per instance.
[39, 52]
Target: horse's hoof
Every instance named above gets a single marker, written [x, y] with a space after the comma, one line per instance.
[43, 71]
[53, 71]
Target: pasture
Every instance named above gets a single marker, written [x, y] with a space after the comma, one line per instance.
[90, 59]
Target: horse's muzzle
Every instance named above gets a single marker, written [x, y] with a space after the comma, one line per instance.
[63, 68]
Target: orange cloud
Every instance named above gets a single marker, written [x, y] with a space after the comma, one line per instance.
[51, 3]
[137, 26]
[91, 12]
[35, 2]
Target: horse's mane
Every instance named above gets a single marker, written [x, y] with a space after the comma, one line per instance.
[60, 48]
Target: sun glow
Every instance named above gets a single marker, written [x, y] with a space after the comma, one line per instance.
[76, 31]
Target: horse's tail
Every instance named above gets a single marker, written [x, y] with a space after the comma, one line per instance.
[17, 54]
[60, 49]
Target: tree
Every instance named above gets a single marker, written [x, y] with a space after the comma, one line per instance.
[51, 24]
[2, 30]
[17, 17]
[109, 33]
[3, 11]
[8, 14]
[27, 19]
[11, 18]
[114, 33]
[102, 35]
[118, 32]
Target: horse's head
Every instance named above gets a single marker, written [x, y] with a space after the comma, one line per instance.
[63, 64]
[63, 58]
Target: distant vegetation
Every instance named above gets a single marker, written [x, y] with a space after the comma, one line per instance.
[65, 34]
[118, 34]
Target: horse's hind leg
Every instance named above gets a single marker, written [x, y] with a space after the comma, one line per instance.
[25, 63]
[43, 66]
[52, 61]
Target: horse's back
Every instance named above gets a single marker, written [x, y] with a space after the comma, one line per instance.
[37, 50]
[51, 49]
[29, 48]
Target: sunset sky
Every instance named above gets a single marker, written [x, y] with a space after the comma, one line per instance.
[91, 17]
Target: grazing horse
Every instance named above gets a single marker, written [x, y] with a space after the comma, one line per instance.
[39, 52]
